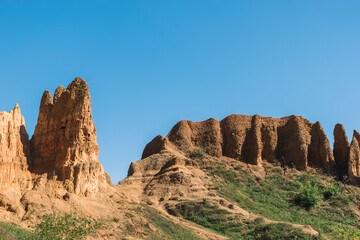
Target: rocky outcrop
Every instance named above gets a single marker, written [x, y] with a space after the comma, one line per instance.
[320, 153]
[155, 146]
[354, 160]
[291, 140]
[14, 152]
[341, 150]
[64, 143]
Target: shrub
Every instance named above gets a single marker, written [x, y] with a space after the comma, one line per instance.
[332, 190]
[58, 226]
[199, 153]
[308, 195]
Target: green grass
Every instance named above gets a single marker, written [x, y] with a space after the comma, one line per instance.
[209, 216]
[58, 226]
[276, 232]
[274, 198]
[167, 229]
[225, 223]
[53, 226]
[10, 231]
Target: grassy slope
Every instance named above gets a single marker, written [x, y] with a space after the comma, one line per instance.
[274, 198]
[10, 231]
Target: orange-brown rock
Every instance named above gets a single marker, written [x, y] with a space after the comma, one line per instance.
[354, 160]
[341, 150]
[320, 153]
[14, 151]
[64, 142]
[155, 146]
[291, 140]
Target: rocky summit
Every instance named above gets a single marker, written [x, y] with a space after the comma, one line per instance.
[64, 142]
[238, 178]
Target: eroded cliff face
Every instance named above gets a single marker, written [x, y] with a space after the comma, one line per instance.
[14, 152]
[341, 150]
[291, 140]
[64, 142]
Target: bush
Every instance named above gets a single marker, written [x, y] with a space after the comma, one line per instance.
[58, 226]
[332, 190]
[199, 153]
[308, 195]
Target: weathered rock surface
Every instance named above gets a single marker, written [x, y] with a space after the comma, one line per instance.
[154, 146]
[354, 159]
[64, 142]
[14, 152]
[291, 140]
[341, 150]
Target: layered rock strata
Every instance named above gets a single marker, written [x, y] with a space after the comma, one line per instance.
[291, 140]
[14, 152]
[64, 143]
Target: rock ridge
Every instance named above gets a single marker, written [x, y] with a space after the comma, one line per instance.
[291, 140]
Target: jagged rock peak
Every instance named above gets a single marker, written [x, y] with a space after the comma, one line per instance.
[65, 142]
[46, 99]
[14, 151]
[291, 140]
[58, 93]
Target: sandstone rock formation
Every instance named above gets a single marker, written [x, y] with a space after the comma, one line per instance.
[354, 159]
[291, 140]
[341, 150]
[155, 146]
[14, 152]
[64, 142]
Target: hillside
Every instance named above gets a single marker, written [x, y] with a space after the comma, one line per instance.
[245, 177]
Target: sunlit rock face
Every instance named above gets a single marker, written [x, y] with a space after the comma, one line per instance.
[64, 143]
[354, 159]
[14, 152]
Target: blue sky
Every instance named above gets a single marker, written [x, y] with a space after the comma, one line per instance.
[150, 64]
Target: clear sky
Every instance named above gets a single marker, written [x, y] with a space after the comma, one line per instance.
[150, 64]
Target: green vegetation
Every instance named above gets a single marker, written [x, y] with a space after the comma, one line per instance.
[276, 232]
[167, 229]
[303, 199]
[223, 222]
[209, 216]
[66, 226]
[331, 191]
[12, 231]
[308, 196]
[55, 226]
[199, 153]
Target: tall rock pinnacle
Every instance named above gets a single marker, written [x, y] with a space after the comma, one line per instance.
[14, 151]
[64, 142]
[341, 150]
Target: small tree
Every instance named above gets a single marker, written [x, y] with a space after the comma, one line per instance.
[332, 190]
[308, 195]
